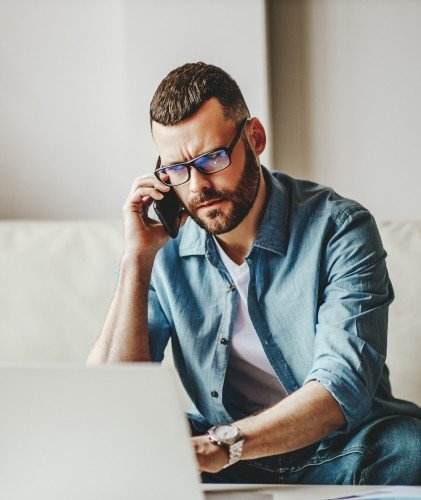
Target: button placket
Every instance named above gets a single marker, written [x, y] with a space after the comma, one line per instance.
[220, 358]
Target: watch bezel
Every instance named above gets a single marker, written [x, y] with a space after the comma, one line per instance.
[213, 434]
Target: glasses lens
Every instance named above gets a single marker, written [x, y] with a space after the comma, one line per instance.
[213, 162]
[176, 174]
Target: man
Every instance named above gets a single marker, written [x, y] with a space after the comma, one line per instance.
[275, 296]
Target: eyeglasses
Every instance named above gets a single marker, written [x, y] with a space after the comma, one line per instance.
[208, 163]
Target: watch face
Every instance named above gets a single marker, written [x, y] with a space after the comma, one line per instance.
[225, 432]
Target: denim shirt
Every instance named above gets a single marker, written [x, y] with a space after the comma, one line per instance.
[318, 299]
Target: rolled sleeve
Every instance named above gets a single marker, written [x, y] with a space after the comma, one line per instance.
[351, 331]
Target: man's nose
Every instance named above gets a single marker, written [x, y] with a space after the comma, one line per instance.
[198, 182]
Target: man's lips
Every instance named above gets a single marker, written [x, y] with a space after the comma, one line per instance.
[208, 203]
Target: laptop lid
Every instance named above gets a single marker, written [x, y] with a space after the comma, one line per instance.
[97, 433]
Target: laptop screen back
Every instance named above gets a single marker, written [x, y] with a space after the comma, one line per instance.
[107, 432]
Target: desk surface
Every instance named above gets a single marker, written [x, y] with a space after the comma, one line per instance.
[304, 492]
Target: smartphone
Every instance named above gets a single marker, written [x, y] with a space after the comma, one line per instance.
[169, 211]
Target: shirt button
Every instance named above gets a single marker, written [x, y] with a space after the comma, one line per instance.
[224, 341]
[232, 288]
[214, 394]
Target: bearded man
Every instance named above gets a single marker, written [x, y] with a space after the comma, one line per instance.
[275, 296]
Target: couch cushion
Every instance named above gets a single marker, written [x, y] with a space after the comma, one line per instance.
[57, 279]
[402, 241]
[56, 284]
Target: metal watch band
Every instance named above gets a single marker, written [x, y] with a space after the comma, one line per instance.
[235, 451]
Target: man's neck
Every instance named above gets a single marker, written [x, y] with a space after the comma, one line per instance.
[238, 242]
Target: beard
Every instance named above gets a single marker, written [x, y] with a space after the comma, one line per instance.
[241, 199]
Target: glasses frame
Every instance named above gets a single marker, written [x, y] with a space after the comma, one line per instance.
[190, 164]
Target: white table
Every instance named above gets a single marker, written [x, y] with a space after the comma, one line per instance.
[302, 492]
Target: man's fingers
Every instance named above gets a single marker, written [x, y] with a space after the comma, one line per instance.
[148, 181]
[145, 204]
[141, 205]
[137, 195]
[147, 201]
[143, 180]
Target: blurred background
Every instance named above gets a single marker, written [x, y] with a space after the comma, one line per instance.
[336, 83]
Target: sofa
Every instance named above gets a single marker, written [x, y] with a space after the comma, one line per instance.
[57, 279]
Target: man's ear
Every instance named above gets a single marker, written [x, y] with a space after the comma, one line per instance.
[256, 136]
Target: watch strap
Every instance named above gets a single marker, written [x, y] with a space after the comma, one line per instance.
[234, 453]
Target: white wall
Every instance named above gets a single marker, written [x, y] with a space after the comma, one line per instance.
[76, 80]
[62, 107]
[346, 81]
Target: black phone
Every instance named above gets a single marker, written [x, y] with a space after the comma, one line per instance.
[169, 211]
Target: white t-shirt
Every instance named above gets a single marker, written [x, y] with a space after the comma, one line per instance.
[250, 379]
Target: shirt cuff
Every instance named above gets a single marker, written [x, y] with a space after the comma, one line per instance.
[355, 402]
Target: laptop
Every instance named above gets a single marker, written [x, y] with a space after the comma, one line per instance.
[94, 432]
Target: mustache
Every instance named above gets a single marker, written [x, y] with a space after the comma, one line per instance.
[208, 195]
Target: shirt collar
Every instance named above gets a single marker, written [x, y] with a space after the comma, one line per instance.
[273, 233]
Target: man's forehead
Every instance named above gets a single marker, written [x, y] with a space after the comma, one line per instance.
[198, 134]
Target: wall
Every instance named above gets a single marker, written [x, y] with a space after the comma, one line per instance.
[77, 77]
[75, 85]
[346, 80]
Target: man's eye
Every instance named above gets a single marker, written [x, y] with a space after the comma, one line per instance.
[177, 169]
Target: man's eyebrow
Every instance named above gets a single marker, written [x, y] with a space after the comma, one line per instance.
[194, 157]
[169, 164]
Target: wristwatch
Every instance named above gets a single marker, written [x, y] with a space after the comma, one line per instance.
[229, 437]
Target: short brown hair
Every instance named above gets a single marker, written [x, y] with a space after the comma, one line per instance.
[183, 91]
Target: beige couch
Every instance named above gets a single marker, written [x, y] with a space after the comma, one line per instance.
[57, 279]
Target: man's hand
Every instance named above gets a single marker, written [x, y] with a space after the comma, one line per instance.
[210, 457]
[143, 235]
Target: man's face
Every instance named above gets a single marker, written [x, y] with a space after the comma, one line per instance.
[217, 202]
